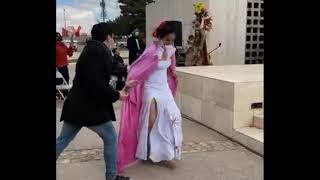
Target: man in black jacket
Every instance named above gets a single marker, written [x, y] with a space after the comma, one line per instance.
[135, 46]
[89, 103]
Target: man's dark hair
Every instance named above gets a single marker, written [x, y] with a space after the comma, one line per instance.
[131, 29]
[100, 32]
[114, 50]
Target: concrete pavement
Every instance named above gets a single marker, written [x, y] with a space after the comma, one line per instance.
[206, 155]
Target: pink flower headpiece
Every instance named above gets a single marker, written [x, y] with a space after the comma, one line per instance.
[162, 24]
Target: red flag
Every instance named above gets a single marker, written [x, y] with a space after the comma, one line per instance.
[77, 32]
[65, 32]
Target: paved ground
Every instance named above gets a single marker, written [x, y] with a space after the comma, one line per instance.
[206, 155]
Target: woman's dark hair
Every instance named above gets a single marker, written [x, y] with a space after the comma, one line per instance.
[165, 28]
[101, 31]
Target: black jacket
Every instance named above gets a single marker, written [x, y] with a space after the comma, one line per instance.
[118, 59]
[89, 102]
[118, 65]
[134, 51]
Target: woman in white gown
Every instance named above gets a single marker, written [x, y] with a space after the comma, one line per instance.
[160, 134]
[150, 127]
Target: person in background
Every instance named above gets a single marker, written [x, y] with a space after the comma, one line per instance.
[189, 44]
[190, 40]
[135, 46]
[116, 56]
[142, 38]
[119, 69]
[89, 103]
[62, 53]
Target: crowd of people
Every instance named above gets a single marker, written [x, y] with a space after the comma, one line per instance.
[150, 124]
[136, 44]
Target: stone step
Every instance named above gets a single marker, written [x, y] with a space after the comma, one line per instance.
[251, 137]
[258, 121]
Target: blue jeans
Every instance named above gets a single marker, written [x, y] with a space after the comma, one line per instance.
[109, 136]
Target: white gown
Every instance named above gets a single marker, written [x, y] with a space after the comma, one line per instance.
[166, 134]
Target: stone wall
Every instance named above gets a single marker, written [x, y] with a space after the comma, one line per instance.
[220, 97]
[229, 25]
[178, 10]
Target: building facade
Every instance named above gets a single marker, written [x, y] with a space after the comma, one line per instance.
[230, 27]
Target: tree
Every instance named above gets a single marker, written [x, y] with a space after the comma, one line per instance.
[121, 25]
[134, 7]
[133, 16]
[135, 12]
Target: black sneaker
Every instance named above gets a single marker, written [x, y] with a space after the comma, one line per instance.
[122, 178]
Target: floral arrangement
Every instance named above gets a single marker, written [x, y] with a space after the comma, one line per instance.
[199, 7]
[197, 53]
[203, 15]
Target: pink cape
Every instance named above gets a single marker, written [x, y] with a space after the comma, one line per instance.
[130, 108]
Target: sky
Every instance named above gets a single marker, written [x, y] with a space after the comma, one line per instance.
[84, 13]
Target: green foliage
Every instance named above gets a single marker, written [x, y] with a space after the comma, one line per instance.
[133, 16]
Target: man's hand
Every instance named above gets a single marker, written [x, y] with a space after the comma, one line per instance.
[130, 84]
[123, 94]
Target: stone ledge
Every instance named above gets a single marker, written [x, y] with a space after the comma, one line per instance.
[221, 98]
[258, 121]
[250, 137]
[228, 73]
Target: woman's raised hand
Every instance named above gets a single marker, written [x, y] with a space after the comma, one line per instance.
[165, 53]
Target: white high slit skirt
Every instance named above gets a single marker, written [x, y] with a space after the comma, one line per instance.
[166, 134]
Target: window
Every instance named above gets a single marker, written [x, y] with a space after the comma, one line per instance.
[254, 46]
[255, 32]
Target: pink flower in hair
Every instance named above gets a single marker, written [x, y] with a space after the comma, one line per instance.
[161, 25]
